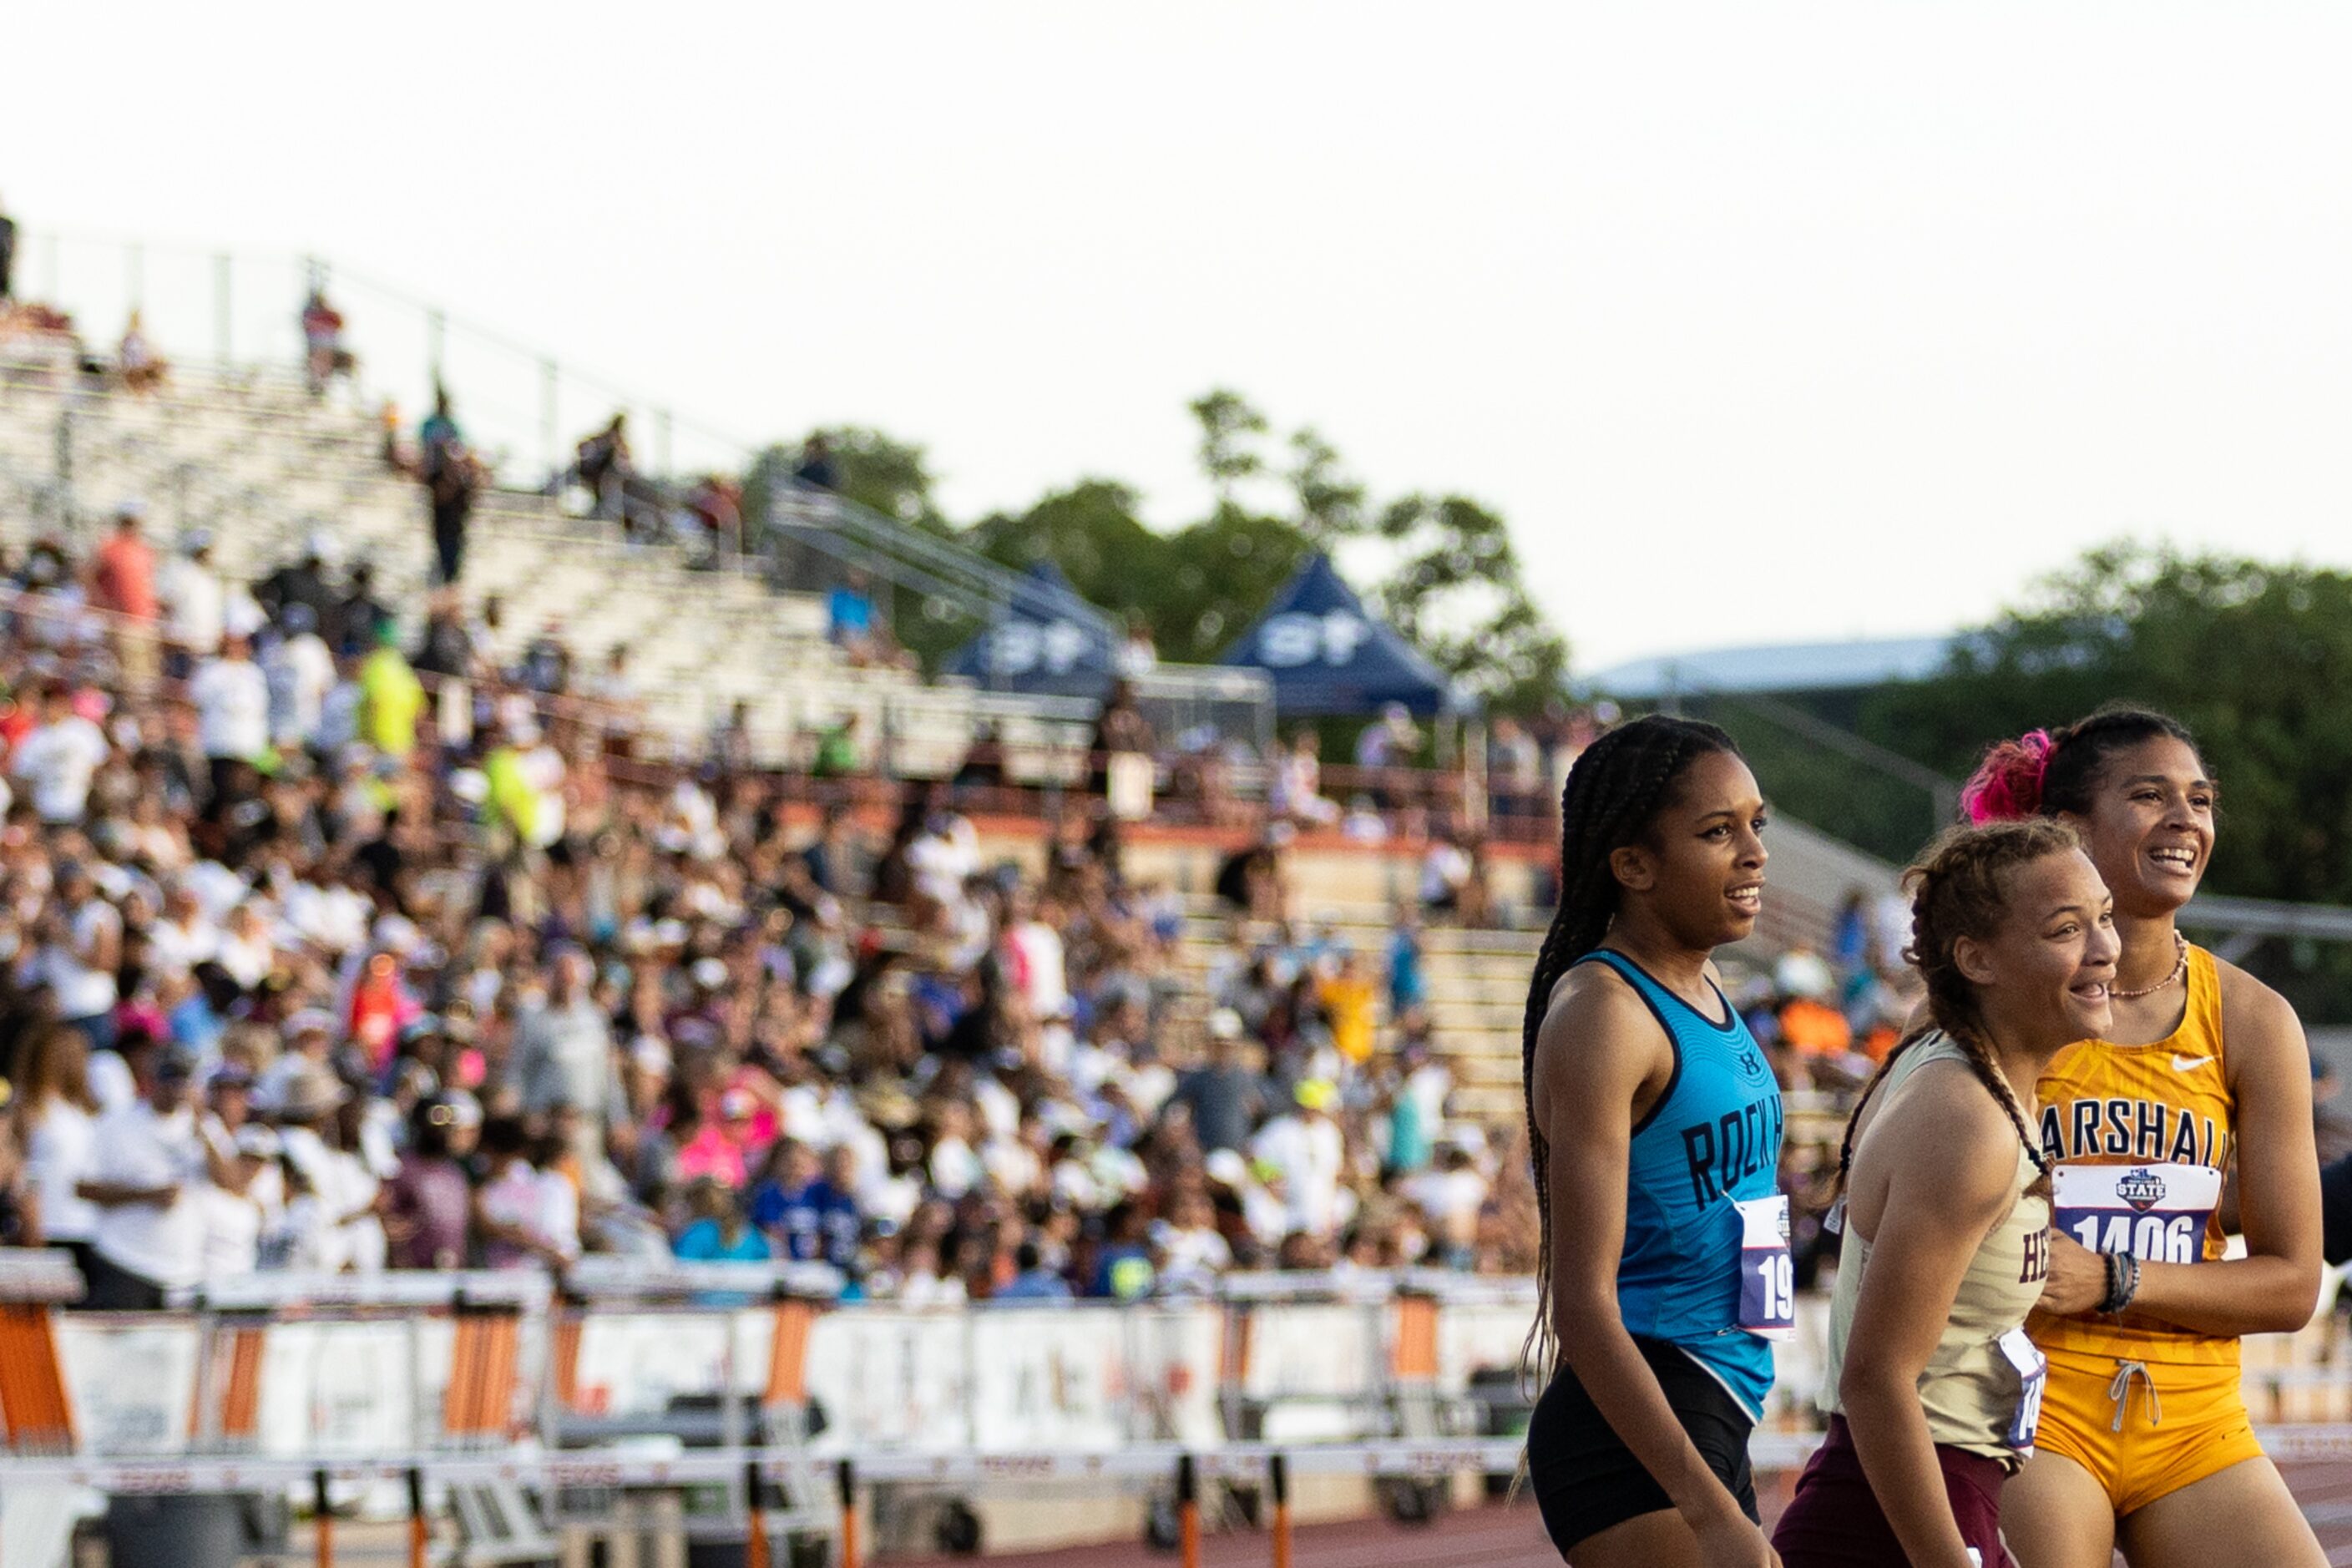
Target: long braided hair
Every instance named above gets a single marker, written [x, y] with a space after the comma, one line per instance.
[1613, 795]
[1959, 888]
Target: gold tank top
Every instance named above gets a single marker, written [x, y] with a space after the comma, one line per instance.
[1980, 1395]
[2142, 1136]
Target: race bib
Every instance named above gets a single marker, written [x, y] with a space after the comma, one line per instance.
[2032, 1371]
[2156, 1213]
[1768, 1275]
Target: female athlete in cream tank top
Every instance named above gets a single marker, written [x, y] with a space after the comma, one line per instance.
[1981, 1392]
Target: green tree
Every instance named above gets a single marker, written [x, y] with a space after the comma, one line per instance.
[1455, 593]
[770, 470]
[884, 474]
[1330, 502]
[1224, 573]
[1091, 530]
[872, 467]
[1196, 587]
[1231, 427]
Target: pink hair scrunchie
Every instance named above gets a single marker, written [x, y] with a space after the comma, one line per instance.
[2008, 786]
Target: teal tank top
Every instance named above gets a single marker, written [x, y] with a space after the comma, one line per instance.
[1711, 1142]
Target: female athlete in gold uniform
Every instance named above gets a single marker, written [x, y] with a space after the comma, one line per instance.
[2145, 1442]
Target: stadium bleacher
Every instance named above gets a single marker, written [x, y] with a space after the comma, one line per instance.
[250, 457]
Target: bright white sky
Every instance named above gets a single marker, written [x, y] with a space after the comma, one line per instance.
[1761, 323]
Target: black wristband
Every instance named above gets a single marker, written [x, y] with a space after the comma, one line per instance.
[2112, 1263]
[2130, 1268]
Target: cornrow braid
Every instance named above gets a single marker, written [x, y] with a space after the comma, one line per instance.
[1958, 889]
[1613, 794]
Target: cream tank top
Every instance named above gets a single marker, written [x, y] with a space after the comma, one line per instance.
[1981, 1390]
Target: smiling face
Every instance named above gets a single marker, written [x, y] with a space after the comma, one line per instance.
[1700, 865]
[2149, 829]
[2043, 976]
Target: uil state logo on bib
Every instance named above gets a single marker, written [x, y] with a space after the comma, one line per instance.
[2142, 1188]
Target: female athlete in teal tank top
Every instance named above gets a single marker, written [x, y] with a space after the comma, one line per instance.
[1655, 1128]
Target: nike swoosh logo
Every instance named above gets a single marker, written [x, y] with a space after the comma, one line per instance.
[2189, 1063]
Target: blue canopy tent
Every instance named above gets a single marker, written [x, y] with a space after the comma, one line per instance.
[1330, 656]
[1045, 640]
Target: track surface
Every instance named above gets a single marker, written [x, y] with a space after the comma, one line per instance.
[1511, 1537]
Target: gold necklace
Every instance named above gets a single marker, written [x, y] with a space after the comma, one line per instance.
[2179, 970]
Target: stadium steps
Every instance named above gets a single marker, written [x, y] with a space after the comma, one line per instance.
[252, 457]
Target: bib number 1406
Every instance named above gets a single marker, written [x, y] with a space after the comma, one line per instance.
[2157, 1213]
[1767, 1276]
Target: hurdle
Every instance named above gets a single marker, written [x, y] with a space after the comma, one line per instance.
[791, 1295]
[35, 1412]
[479, 1401]
[36, 1416]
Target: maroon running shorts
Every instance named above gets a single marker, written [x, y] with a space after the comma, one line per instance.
[1834, 1521]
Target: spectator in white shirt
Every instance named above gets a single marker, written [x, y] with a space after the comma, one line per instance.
[309, 1042]
[1296, 789]
[945, 853]
[182, 937]
[245, 950]
[298, 672]
[1307, 1153]
[617, 688]
[1451, 1196]
[1041, 964]
[235, 1220]
[198, 606]
[81, 949]
[152, 1159]
[57, 1117]
[59, 758]
[1193, 1251]
[1391, 742]
[312, 1117]
[1445, 872]
[923, 1283]
[232, 699]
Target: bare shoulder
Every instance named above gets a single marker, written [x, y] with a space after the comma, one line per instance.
[1945, 1127]
[2264, 1055]
[1598, 1030]
[2251, 1013]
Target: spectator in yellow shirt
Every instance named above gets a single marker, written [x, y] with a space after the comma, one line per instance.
[391, 697]
[1347, 997]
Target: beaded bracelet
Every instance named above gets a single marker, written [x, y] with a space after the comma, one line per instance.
[2122, 1283]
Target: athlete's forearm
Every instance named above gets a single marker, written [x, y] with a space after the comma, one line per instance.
[1898, 1456]
[2237, 1296]
[117, 1194]
[1626, 1392]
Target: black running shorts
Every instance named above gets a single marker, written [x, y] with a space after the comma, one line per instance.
[2336, 1210]
[1586, 1480]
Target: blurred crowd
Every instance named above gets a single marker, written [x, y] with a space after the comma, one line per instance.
[315, 956]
